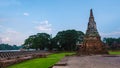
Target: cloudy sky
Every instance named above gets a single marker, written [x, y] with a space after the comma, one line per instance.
[21, 18]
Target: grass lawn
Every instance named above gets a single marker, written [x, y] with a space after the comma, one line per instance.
[114, 52]
[41, 62]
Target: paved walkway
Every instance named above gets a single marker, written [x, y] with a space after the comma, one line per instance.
[96, 61]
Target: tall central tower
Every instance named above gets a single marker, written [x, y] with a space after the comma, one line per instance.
[92, 29]
[92, 43]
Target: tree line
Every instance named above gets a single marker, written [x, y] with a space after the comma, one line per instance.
[9, 47]
[112, 43]
[64, 40]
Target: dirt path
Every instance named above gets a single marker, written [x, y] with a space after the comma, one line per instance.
[96, 61]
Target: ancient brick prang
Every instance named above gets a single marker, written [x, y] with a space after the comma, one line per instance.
[92, 43]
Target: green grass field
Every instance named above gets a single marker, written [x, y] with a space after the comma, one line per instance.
[41, 62]
[47, 62]
[114, 52]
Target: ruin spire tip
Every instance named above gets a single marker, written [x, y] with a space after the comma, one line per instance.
[91, 13]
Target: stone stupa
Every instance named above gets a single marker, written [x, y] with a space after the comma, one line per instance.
[92, 43]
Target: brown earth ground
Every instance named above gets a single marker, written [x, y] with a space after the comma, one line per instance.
[95, 61]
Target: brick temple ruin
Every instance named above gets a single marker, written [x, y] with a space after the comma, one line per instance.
[14, 57]
[92, 43]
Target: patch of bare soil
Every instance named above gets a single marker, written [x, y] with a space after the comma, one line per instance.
[94, 61]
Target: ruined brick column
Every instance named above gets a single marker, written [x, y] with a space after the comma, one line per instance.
[92, 43]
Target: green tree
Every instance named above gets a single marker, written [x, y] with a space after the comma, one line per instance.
[9, 47]
[113, 43]
[67, 40]
[43, 40]
[38, 41]
[29, 42]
